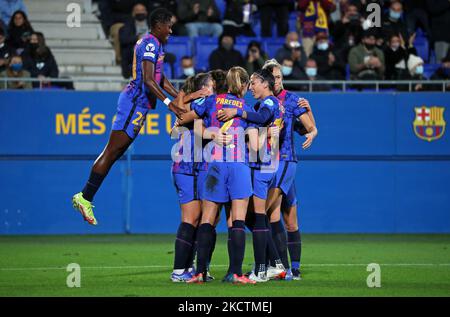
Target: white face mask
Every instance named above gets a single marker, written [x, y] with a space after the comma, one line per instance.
[395, 47]
[311, 71]
[189, 71]
[286, 70]
[322, 46]
[419, 70]
[294, 44]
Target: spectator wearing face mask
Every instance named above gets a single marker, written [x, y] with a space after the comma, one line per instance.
[39, 61]
[255, 57]
[442, 73]
[396, 55]
[187, 67]
[415, 72]
[15, 70]
[314, 17]
[134, 29]
[311, 74]
[366, 61]
[292, 49]
[393, 22]
[328, 62]
[225, 56]
[5, 51]
[289, 73]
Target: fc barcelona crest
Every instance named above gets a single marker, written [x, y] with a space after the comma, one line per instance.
[429, 123]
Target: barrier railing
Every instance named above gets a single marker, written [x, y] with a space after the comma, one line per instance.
[331, 85]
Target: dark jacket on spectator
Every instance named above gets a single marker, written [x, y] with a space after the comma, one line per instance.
[114, 11]
[221, 58]
[286, 52]
[186, 12]
[41, 62]
[390, 27]
[17, 35]
[5, 53]
[440, 19]
[127, 39]
[391, 59]
[335, 71]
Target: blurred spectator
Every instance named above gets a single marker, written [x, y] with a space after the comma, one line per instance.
[292, 49]
[178, 28]
[201, 17]
[348, 31]
[129, 34]
[255, 57]
[440, 26]
[237, 18]
[287, 69]
[396, 56]
[443, 72]
[393, 22]
[225, 56]
[113, 15]
[8, 8]
[5, 51]
[187, 67]
[311, 74]
[416, 15]
[15, 70]
[19, 31]
[330, 66]
[314, 15]
[366, 60]
[415, 72]
[39, 60]
[266, 9]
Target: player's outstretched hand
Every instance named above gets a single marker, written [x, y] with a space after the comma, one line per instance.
[204, 92]
[177, 109]
[302, 102]
[226, 114]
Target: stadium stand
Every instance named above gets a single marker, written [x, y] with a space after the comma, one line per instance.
[78, 51]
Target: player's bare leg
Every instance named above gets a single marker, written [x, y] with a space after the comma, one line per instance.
[117, 144]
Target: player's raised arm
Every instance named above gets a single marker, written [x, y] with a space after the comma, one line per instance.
[149, 80]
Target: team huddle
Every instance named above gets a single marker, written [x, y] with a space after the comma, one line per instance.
[249, 169]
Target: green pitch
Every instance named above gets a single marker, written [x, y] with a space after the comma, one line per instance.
[140, 265]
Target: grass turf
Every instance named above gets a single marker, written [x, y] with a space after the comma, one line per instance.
[140, 265]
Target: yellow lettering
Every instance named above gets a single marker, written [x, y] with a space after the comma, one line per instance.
[168, 123]
[83, 122]
[152, 126]
[97, 121]
[65, 127]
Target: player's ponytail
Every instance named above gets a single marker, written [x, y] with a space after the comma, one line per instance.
[237, 78]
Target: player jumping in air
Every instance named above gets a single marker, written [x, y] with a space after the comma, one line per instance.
[134, 102]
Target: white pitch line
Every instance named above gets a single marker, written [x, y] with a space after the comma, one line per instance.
[217, 265]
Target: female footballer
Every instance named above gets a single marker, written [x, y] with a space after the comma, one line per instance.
[134, 102]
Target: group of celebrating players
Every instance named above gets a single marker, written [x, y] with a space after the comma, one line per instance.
[254, 191]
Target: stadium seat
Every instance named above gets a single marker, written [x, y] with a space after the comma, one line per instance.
[179, 46]
[273, 44]
[204, 45]
[221, 5]
[430, 69]
[293, 21]
[422, 47]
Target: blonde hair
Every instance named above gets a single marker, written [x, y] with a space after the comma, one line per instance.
[237, 78]
[188, 86]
